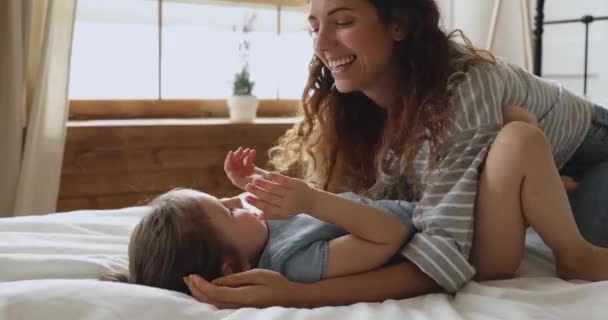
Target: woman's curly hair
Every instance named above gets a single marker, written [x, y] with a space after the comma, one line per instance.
[346, 142]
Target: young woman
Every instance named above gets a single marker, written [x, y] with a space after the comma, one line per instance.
[394, 107]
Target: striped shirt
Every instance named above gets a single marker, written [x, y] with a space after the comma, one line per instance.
[445, 213]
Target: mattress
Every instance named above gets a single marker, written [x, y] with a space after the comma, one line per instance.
[49, 265]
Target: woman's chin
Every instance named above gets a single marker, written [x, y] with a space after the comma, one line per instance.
[345, 86]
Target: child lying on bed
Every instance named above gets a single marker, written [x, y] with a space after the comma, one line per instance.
[193, 232]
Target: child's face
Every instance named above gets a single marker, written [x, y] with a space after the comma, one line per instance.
[240, 227]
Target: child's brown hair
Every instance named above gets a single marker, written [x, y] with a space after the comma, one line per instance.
[175, 240]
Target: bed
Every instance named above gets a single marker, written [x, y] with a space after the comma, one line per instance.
[49, 265]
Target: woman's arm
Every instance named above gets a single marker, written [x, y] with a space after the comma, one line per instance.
[398, 281]
[264, 288]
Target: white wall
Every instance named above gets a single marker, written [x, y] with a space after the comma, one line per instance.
[563, 48]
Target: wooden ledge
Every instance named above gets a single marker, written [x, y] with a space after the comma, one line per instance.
[179, 122]
[172, 109]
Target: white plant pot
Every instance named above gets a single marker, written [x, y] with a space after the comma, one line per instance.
[243, 108]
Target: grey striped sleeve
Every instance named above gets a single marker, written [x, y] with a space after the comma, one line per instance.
[445, 213]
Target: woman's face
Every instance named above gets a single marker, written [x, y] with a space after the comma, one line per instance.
[352, 41]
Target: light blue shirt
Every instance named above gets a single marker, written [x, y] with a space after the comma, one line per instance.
[297, 247]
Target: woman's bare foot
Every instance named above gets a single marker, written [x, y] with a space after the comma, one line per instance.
[590, 264]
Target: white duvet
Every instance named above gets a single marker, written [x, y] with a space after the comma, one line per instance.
[48, 266]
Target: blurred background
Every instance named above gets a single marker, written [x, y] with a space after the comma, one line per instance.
[187, 49]
[107, 103]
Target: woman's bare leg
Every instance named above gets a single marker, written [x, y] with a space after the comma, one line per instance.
[520, 185]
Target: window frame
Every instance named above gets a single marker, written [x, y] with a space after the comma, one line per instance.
[172, 108]
[102, 109]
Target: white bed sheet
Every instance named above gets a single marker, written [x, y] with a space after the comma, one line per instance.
[48, 267]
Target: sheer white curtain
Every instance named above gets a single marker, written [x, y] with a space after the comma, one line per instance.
[35, 45]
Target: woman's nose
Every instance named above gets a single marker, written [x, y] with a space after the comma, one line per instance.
[324, 39]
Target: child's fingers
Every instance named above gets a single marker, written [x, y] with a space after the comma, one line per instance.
[233, 163]
[267, 196]
[249, 158]
[238, 153]
[245, 159]
[228, 160]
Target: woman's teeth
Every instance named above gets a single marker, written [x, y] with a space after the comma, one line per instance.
[341, 63]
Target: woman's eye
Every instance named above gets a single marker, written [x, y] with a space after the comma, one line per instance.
[344, 23]
[313, 32]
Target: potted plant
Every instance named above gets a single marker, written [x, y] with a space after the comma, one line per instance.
[243, 105]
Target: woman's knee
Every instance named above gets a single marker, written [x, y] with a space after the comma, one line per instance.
[520, 138]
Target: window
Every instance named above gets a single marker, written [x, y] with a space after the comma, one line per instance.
[563, 44]
[564, 49]
[186, 49]
[115, 50]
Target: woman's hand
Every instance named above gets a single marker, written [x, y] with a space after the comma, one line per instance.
[280, 196]
[239, 167]
[252, 288]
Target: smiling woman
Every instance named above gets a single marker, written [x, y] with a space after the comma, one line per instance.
[396, 107]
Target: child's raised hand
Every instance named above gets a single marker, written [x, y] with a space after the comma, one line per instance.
[279, 196]
[239, 167]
